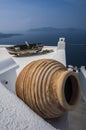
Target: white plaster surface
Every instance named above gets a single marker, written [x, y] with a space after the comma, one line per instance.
[15, 115]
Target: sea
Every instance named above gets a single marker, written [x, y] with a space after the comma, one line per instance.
[75, 43]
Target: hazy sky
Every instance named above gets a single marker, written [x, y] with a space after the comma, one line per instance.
[19, 15]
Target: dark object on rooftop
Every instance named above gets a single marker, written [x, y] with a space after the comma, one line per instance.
[25, 49]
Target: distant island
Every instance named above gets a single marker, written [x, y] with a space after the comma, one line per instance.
[48, 29]
[7, 35]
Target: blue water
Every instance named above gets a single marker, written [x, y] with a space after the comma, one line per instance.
[76, 53]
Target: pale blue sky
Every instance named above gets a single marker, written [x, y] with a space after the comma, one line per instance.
[21, 15]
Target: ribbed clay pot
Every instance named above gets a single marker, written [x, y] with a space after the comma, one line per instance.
[48, 88]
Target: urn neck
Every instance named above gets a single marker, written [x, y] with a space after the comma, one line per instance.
[68, 90]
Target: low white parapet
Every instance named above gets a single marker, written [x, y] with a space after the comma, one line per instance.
[6, 65]
[83, 70]
[82, 77]
[8, 73]
[3, 46]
